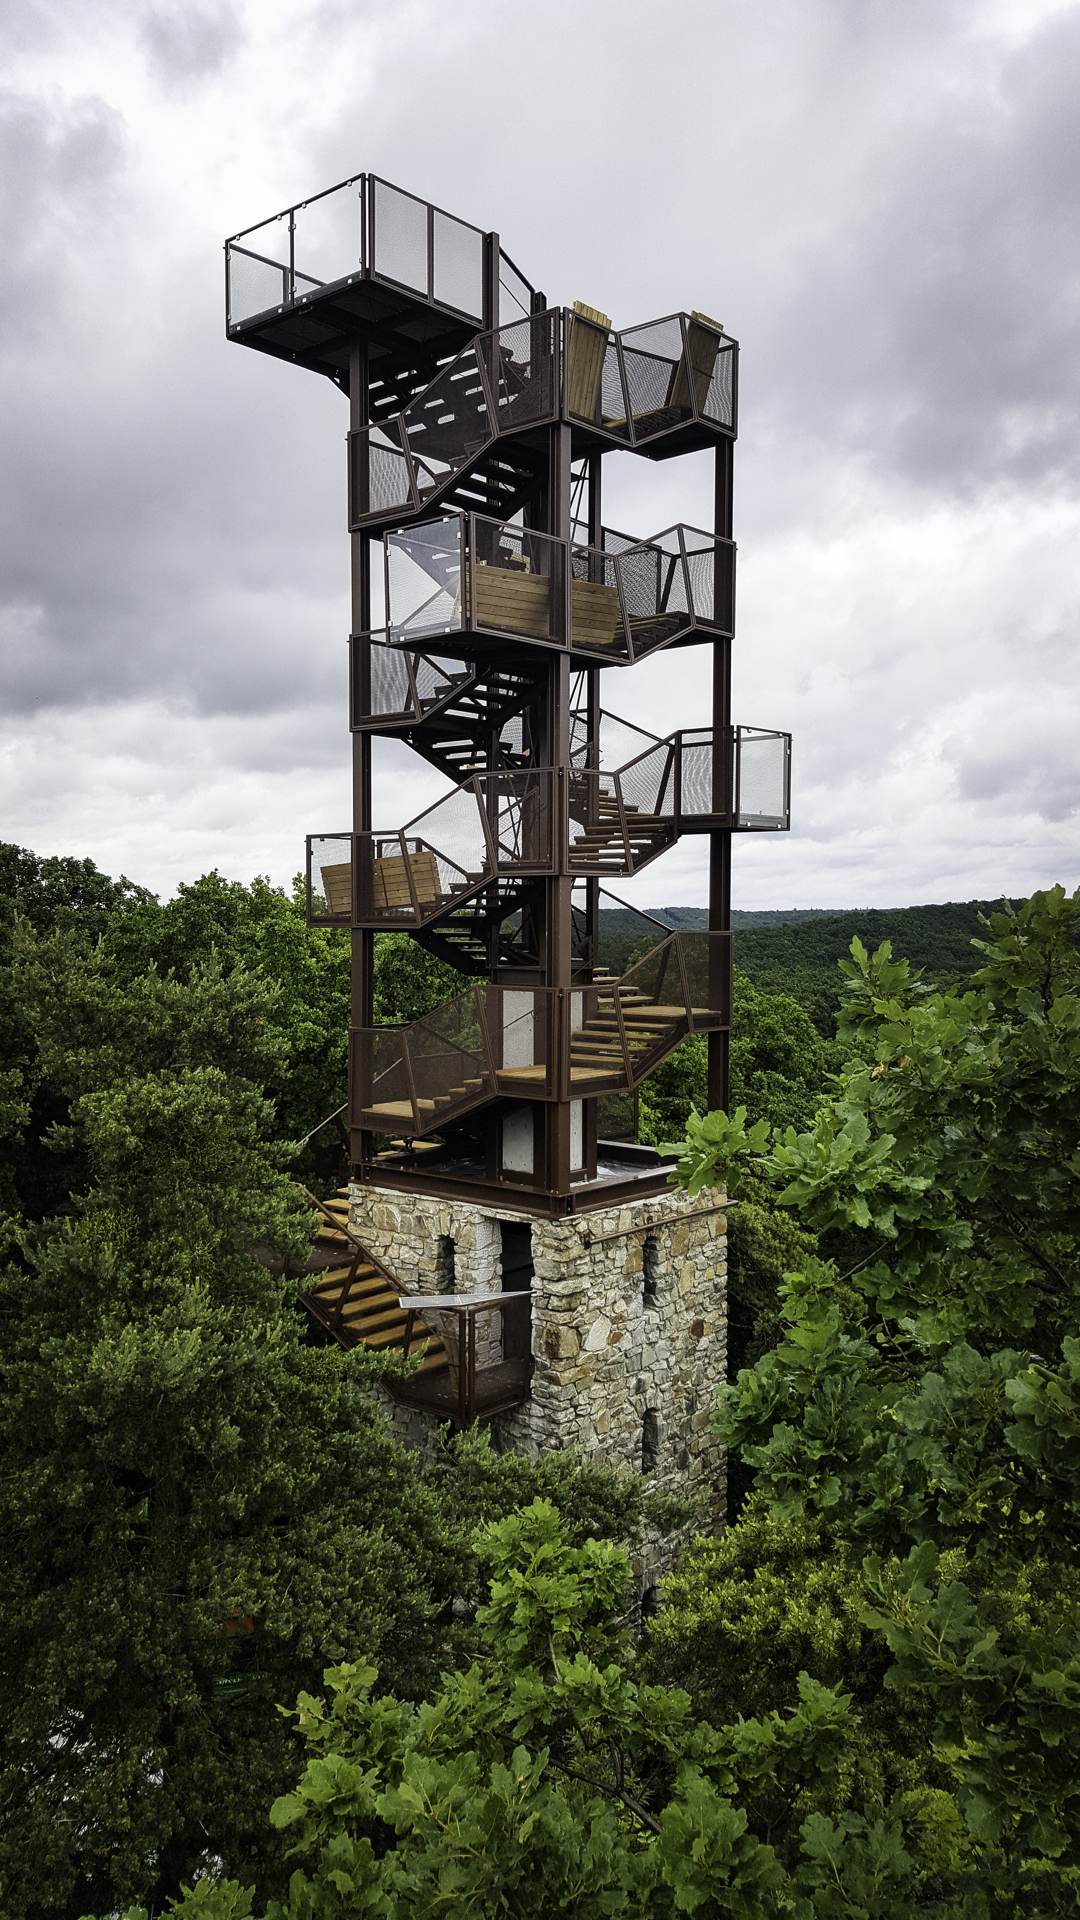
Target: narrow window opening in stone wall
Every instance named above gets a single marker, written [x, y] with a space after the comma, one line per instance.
[650, 1269]
[447, 1268]
[517, 1255]
[517, 1276]
[650, 1441]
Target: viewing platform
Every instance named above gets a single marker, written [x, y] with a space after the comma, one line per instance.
[464, 583]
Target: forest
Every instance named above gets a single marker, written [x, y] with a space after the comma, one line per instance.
[258, 1659]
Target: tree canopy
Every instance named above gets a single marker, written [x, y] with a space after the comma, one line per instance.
[923, 1400]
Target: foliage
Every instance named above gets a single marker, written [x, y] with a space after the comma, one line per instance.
[45, 893]
[801, 959]
[779, 1067]
[748, 1610]
[409, 981]
[123, 933]
[198, 1507]
[552, 1778]
[913, 1404]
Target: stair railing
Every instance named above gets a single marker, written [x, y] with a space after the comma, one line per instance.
[629, 387]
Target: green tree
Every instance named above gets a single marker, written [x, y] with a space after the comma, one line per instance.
[198, 1506]
[46, 893]
[553, 1778]
[915, 1400]
[780, 1067]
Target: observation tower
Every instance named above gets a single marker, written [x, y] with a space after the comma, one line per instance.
[494, 614]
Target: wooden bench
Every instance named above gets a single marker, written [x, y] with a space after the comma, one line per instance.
[585, 354]
[390, 880]
[337, 889]
[521, 603]
[691, 378]
[595, 616]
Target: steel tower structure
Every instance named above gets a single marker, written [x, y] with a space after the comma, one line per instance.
[491, 604]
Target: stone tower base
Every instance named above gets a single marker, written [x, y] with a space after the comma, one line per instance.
[629, 1329]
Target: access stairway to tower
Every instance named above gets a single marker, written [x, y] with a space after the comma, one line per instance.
[498, 831]
[356, 1298]
[462, 717]
[463, 1372]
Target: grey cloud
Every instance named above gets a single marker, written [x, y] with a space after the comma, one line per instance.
[186, 43]
[1044, 780]
[61, 170]
[947, 304]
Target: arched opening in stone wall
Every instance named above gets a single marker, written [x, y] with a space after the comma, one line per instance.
[650, 1603]
[650, 1441]
[446, 1273]
[650, 1269]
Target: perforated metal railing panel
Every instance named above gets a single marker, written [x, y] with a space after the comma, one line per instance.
[400, 237]
[458, 264]
[388, 470]
[390, 690]
[256, 285]
[761, 773]
[696, 775]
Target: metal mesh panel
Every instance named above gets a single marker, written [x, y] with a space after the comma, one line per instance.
[648, 783]
[519, 360]
[424, 579]
[433, 677]
[711, 567]
[449, 423]
[655, 594]
[459, 265]
[701, 567]
[446, 1049]
[326, 238]
[519, 808]
[706, 960]
[453, 830]
[719, 402]
[381, 1078]
[257, 284]
[329, 880]
[388, 470]
[652, 356]
[401, 242]
[390, 689]
[614, 412]
[656, 979]
[762, 774]
[696, 773]
[596, 614]
[639, 578]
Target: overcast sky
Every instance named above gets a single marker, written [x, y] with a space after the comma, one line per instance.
[877, 197]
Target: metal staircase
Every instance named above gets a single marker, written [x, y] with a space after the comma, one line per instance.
[479, 418]
[500, 1043]
[356, 1298]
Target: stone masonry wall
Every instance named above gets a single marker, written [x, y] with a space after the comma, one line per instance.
[617, 1368]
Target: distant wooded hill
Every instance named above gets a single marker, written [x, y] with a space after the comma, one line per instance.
[796, 951]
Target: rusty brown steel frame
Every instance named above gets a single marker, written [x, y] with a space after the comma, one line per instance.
[401, 303]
